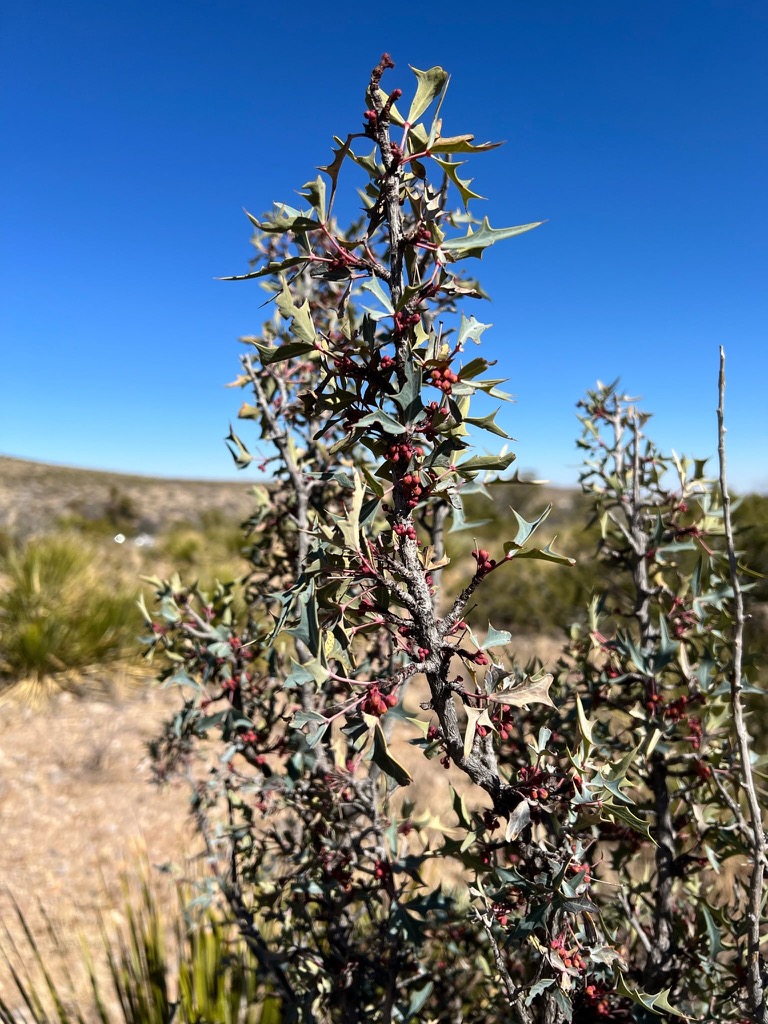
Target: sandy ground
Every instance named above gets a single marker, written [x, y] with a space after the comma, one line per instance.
[76, 811]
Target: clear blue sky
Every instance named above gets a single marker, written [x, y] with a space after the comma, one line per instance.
[135, 133]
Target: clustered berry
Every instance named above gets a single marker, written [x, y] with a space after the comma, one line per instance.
[382, 870]
[404, 320]
[677, 711]
[596, 994]
[535, 783]
[503, 719]
[411, 484]
[404, 452]
[387, 362]
[501, 912]
[404, 530]
[443, 378]
[570, 957]
[346, 366]
[485, 563]
[376, 703]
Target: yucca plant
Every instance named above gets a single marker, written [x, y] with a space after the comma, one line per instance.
[197, 971]
[58, 613]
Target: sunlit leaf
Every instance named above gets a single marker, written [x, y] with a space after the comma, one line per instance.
[474, 243]
[430, 84]
[532, 690]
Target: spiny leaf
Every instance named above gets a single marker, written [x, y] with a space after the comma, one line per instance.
[461, 144]
[485, 462]
[334, 167]
[525, 529]
[649, 1002]
[624, 814]
[381, 756]
[462, 184]
[271, 269]
[474, 243]
[532, 690]
[239, 452]
[314, 191]
[460, 809]
[546, 554]
[284, 219]
[270, 354]
[470, 330]
[475, 717]
[430, 84]
[301, 326]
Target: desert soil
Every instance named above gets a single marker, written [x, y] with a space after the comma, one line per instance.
[78, 811]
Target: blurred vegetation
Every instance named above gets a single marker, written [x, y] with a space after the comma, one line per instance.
[538, 597]
[59, 610]
[68, 598]
[197, 970]
[529, 596]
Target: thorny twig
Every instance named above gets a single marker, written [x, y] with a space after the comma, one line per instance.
[756, 992]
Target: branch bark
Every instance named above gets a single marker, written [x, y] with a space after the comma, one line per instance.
[756, 992]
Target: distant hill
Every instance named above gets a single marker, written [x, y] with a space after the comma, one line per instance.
[35, 496]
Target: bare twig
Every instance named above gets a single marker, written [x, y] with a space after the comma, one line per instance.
[524, 1015]
[756, 992]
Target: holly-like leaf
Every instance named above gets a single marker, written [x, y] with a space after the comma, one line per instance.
[270, 270]
[655, 1003]
[430, 84]
[301, 326]
[532, 690]
[489, 423]
[239, 452]
[474, 243]
[495, 638]
[350, 523]
[518, 820]
[334, 167]
[623, 813]
[461, 144]
[525, 529]
[408, 398]
[475, 717]
[314, 191]
[460, 809]
[470, 330]
[373, 285]
[462, 184]
[485, 462]
[388, 423]
[270, 354]
[546, 554]
[285, 218]
[315, 723]
[381, 756]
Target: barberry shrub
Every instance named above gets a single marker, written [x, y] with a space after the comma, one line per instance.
[558, 868]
